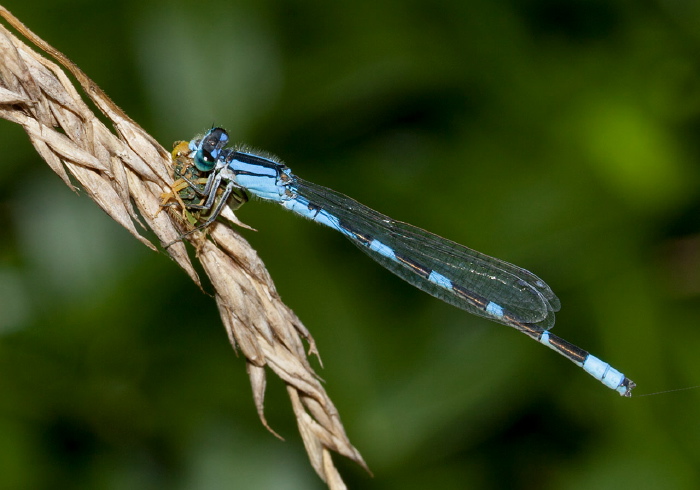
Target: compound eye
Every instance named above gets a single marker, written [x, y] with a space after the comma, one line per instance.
[204, 160]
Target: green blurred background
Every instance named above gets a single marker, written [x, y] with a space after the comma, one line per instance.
[560, 135]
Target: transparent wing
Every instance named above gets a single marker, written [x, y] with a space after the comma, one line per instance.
[476, 278]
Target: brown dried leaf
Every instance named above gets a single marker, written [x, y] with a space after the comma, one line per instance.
[127, 169]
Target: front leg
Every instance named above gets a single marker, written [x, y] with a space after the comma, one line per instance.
[210, 190]
[215, 213]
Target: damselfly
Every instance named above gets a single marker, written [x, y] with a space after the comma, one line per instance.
[482, 285]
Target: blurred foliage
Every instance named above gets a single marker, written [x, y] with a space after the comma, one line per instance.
[558, 135]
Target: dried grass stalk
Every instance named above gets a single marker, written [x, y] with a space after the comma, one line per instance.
[125, 174]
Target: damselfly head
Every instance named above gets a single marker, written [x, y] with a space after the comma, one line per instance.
[207, 150]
